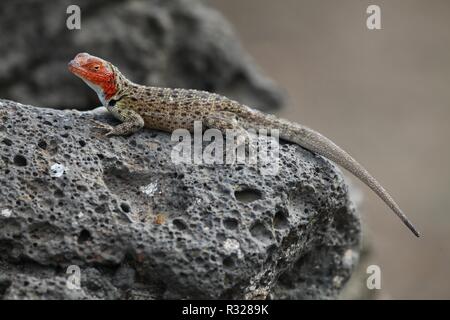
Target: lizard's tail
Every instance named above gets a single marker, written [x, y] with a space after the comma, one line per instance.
[323, 146]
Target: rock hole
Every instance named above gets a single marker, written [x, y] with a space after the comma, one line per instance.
[179, 224]
[101, 208]
[228, 262]
[83, 188]
[20, 161]
[7, 142]
[84, 236]
[280, 220]
[125, 207]
[58, 193]
[42, 144]
[247, 195]
[260, 232]
[230, 223]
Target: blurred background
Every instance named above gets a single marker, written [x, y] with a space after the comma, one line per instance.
[384, 96]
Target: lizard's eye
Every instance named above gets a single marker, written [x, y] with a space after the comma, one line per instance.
[96, 68]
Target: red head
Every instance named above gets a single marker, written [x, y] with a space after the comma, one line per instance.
[97, 73]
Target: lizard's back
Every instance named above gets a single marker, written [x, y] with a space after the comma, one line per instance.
[169, 109]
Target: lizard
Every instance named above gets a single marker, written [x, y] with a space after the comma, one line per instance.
[166, 109]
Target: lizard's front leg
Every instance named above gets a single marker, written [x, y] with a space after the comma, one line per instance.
[132, 122]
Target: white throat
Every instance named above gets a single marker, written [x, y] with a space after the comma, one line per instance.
[97, 90]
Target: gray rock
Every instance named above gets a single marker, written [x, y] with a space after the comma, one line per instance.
[175, 43]
[141, 227]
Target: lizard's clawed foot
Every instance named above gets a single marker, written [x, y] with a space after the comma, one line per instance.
[103, 127]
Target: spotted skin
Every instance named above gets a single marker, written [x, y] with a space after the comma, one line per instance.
[138, 106]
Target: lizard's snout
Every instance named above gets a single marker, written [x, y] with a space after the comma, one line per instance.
[82, 57]
[79, 59]
[72, 65]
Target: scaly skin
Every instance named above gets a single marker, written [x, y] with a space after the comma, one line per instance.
[165, 109]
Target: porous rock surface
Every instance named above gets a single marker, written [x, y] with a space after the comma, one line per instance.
[139, 226]
[174, 43]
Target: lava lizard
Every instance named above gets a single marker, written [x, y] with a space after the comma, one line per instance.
[138, 106]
